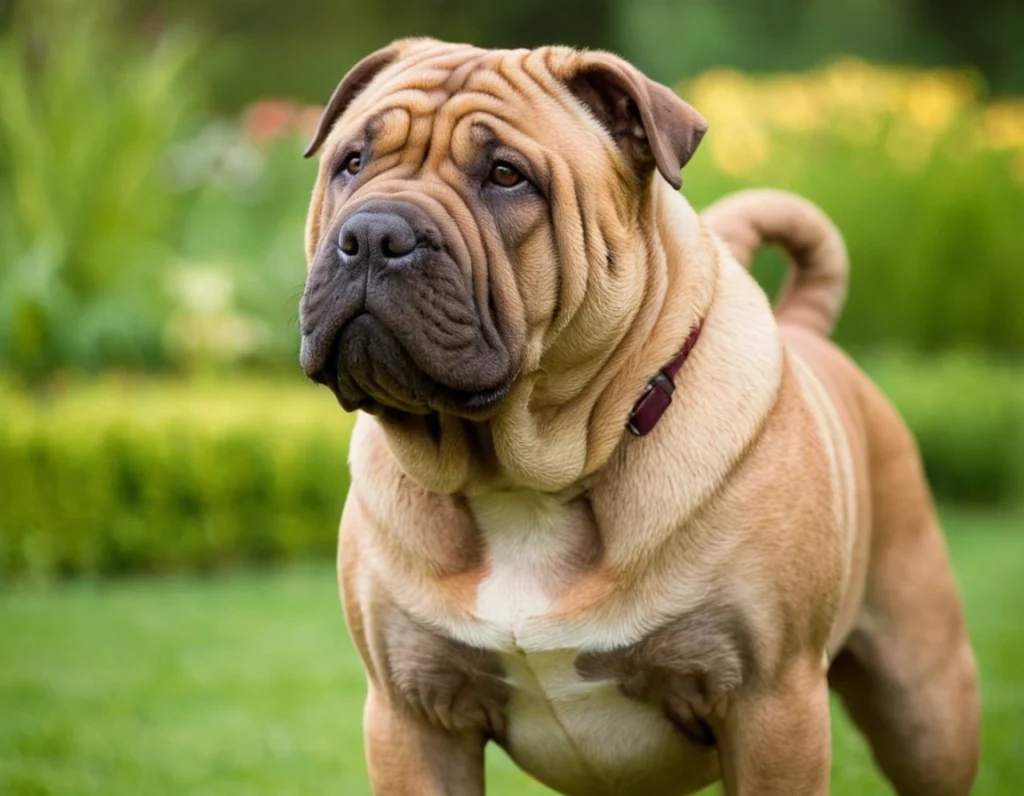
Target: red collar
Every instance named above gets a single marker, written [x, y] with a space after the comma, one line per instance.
[647, 411]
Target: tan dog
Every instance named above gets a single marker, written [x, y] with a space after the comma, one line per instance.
[500, 266]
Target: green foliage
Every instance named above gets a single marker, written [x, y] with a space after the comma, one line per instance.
[311, 49]
[968, 418]
[934, 243]
[87, 119]
[120, 476]
[934, 265]
[244, 224]
[132, 238]
[924, 179]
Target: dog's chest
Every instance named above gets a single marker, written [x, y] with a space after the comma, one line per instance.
[581, 706]
[583, 735]
[535, 548]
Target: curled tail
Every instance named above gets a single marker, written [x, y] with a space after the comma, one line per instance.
[813, 294]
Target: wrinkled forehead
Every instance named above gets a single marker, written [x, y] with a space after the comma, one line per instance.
[463, 97]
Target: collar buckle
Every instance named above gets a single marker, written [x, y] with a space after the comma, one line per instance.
[648, 410]
[657, 396]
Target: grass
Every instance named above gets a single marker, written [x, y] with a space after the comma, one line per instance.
[247, 684]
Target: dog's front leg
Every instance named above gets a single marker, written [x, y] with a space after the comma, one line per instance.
[408, 756]
[775, 740]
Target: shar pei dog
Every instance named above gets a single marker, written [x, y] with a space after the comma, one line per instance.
[609, 509]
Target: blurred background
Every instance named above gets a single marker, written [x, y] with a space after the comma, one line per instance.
[169, 484]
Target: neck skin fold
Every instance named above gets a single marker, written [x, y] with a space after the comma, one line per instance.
[556, 447]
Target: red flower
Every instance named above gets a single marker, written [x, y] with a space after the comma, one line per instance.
[268, 119]
[307, 118]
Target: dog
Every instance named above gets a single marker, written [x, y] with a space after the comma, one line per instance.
[608, 509]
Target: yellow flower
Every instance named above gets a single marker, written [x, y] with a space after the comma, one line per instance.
[738, 150]
[906, 113]
[851, 84]
[723, 96]
[791, 104]
[1004, 125]
[934, 99]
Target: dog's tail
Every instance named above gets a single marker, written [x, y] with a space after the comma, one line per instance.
[815, 289]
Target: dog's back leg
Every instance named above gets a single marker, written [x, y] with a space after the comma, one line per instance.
[907, 674]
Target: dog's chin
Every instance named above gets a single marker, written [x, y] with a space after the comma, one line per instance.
[368, 369]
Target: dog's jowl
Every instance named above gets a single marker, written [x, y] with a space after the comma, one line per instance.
[609, 509]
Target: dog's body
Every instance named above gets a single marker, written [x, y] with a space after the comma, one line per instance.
[623, 615]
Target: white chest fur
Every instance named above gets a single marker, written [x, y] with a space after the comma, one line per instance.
[561, 727]
[531, 541]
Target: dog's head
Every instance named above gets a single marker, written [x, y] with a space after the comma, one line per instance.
[476, 224]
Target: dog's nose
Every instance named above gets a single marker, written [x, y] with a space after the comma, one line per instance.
[369, 235]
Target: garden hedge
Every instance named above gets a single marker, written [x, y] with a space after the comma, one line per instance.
[968, 418]
[120, 476]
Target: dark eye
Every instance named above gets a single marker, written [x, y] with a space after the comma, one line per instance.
[351, 164]
[505, 174]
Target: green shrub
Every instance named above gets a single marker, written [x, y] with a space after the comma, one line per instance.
[245, 226]
[132, 237]
[85, 206]
[968, 418]
[923, 177]
[120, 476]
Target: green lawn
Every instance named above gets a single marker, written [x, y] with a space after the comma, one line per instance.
[247, 684]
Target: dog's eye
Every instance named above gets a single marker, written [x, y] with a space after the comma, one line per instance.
[351, 164]
[505, 174]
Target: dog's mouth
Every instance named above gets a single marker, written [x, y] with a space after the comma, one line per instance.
[390, 320]
[368, 369]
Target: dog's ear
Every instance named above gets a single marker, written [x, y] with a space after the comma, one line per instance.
[649, 122]
[357, 79]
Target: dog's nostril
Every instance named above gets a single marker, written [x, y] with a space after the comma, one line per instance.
[349, 244]
[389, 250]
[398, 242]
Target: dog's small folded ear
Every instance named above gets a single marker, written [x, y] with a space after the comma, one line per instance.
[357, 79]
[649, 122]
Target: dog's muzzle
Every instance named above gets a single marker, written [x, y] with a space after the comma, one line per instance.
[389, 319]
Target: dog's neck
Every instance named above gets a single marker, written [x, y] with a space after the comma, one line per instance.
[547, 440]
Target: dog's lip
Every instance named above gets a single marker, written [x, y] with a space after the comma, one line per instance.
[321, 365]
[330, 364]
[473, 405]
[484, 400]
